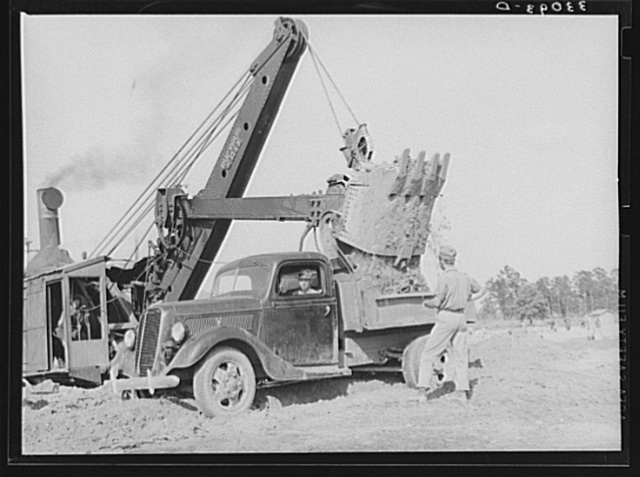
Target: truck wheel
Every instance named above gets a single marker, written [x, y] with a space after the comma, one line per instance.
[224, 383]
[411, 363]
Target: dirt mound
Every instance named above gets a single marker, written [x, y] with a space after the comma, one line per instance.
[531, 393]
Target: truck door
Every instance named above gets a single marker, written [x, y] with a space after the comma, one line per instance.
[86, 326]
[301, 325]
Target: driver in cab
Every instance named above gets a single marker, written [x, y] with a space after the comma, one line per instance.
[305, 277]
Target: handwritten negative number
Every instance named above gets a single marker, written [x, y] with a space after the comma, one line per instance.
[558, 7]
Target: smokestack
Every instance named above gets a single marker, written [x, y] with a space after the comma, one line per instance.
[50, 255]
[49, 201]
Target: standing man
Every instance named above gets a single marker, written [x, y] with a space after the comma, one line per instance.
[453, 291]
[79, 317]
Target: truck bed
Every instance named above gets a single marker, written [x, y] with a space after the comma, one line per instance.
[362, 307]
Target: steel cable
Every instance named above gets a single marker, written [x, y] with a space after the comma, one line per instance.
[189, 158]
[334, 85]
[169, 176]
[205, 140]
[326, 92]
[315, 57]
[159, 176]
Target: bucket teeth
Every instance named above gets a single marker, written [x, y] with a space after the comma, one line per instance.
[387, 208]
[401, 178]
[434, 177]
[429, 182]
[414, 182]
[443, 172]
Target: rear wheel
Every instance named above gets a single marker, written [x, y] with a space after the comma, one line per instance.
[224, 383]
[411, 363]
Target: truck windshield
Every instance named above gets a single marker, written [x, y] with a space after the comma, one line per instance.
[252, 280]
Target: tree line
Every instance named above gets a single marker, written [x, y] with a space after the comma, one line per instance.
[511, 296]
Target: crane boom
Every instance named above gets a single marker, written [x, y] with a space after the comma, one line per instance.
[186, 250]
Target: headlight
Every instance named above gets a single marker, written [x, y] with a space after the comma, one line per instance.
[177, 332]
[130, 339]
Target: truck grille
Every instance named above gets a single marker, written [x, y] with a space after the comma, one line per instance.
[149, 330]
[197, 323]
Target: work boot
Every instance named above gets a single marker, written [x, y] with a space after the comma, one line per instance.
[424, 393]
[433, 393]
[460, 396]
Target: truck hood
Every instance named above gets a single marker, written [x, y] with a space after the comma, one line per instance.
[212, 306]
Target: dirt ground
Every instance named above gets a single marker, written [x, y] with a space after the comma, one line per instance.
[538, 389]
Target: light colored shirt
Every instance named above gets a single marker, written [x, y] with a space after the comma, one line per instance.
[310, 291]
[454, 290]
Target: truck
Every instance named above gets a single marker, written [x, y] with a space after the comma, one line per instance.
[258, 330]
[262, 326]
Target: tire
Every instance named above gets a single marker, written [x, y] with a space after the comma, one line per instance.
[411, 363]
[224, 383]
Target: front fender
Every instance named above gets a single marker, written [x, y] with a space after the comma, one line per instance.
[198, 347]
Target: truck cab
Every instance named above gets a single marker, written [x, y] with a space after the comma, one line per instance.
[279, 311]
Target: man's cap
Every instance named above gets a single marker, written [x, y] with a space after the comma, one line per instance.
[447, 252]
[306, 274]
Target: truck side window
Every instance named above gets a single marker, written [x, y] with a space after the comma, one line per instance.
[299, 281]
[252, 279]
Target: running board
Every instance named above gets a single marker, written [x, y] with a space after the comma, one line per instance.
[377, 369]
[319, 372]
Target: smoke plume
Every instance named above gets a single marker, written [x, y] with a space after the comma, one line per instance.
[97, 168]
[157, 96]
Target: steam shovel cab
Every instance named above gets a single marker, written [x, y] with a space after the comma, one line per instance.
[69, 315]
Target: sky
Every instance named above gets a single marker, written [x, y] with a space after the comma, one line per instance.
[525, 105]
